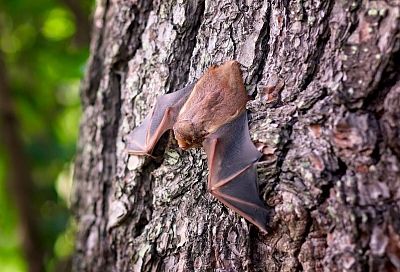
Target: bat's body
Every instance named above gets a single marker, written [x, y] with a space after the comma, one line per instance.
[211, 113]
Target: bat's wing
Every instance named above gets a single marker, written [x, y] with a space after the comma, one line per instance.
[232, 175]
[142, 140]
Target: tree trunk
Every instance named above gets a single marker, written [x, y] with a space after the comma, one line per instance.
[325, 76]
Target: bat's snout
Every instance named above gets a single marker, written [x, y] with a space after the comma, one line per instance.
[185, 134]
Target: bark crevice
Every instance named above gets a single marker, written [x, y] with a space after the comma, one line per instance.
[325, 114]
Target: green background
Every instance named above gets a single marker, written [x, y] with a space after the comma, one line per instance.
[45, 61]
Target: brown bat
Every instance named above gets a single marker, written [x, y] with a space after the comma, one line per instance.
[211, 113]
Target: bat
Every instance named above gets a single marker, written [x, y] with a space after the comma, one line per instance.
[211, 113]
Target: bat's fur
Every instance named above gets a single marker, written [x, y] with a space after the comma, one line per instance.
[211, 113]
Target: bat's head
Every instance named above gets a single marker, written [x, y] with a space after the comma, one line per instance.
[217, 98]
[187, 134]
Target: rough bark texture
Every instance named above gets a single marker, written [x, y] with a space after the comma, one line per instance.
[325, 75]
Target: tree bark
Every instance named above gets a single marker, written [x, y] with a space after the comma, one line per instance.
[325, 76]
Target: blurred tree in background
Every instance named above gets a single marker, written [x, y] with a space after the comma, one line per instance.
[43, 49]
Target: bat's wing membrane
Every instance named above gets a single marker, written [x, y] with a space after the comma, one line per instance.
[232, 174]
[142, 140]
[230, 152]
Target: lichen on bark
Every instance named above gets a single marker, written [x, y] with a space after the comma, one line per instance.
[325, 79]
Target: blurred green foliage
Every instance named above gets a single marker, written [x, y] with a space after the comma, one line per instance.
[44, 65]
